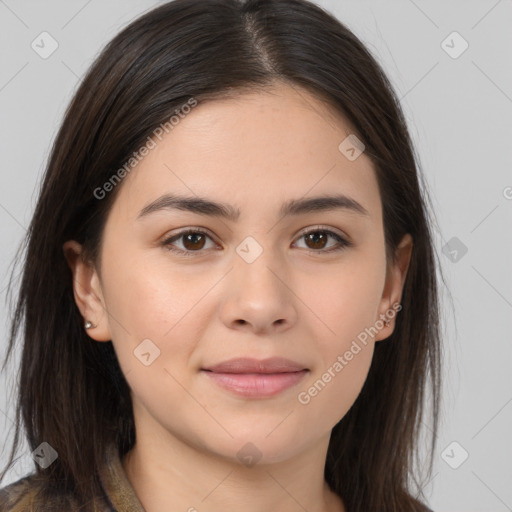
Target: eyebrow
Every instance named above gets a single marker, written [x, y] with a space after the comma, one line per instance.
[203, 206]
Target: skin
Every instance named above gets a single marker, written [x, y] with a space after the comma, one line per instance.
[254, 152]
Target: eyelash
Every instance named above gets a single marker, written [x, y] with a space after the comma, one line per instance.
[343, 244]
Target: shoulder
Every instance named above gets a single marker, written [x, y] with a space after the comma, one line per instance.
[29, 494]
[19, 494]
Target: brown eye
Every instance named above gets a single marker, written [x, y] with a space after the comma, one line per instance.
[316, 241]
[192, 240]
[195, 240]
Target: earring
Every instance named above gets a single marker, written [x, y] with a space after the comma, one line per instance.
[89, 325]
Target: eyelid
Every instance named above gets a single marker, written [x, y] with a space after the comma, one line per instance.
[185, 231]
[321, 227]
[345, 241]
[302, 232]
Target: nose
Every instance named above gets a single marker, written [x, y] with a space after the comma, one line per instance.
[259, 296]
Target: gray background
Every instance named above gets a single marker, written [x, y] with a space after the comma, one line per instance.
[459, 112]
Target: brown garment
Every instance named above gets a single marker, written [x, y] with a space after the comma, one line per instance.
[118, 494]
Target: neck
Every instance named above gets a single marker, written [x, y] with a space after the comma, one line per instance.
[173, 475]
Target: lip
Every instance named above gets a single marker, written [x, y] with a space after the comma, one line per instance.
[256, 385]
[251, 365]
[253, 378]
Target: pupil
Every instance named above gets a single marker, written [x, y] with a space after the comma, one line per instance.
[190, 239]
[316, 238]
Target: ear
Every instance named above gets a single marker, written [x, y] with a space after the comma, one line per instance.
[395, 279]
[87, 291]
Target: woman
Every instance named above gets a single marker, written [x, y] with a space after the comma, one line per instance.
[229, 291]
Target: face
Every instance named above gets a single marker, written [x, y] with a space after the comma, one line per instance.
[301, 285]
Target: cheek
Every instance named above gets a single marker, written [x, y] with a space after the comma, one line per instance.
[152, 295]
[150, 303]
[348, 308]
[334, 387]
[345, 301]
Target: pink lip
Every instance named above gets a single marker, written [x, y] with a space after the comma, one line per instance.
[256, 378]
[250, 365]
[256, 385]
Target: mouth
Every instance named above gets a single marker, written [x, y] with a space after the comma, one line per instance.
[256, 385]
[251, 365]
[254, 378]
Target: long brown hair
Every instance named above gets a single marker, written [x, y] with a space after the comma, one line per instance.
[73, 394]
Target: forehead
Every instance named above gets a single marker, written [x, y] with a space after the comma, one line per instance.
[255, 150]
